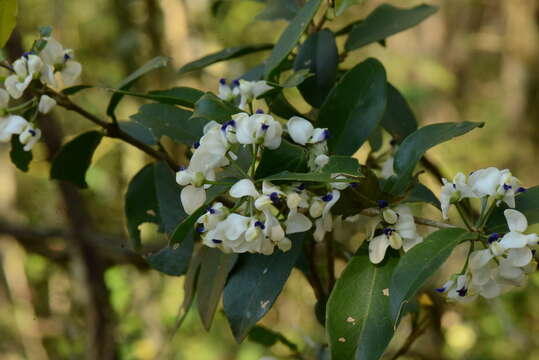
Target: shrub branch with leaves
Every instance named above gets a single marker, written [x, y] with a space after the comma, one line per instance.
[266, 187]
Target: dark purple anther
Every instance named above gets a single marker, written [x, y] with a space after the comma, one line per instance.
[211, 210]
[196, 144]
[217, 241]
[32, 132]
[533, 252]
[259, 111]
[260, 225]
[200, 229]
[462, 291]
[66, 57]
[388, 231]
[382, 204]
[506, 187]
[440, 290]
[274, 197]
[227, 124]
[493, 237]
[327, 197]
[454, 186]
[264, 127]
[326, 134]
[521, 190]
[236, 83]
[182, 168]
[25, 55]
[222, 81]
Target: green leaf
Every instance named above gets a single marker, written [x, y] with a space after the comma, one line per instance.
[20, 158]
[183, 96]
[138, 131]
[214, 269]
[527, 203]
[287, 157]
[358, 320]
[343, 165]
[290, 37]
[167, 192]
[416, 145]
[421, 193]
[72, 90]
[267, 337]
[398, 120]
[172, 260]
[210, 107]
[420, 263]
[254, 285]
[223, 55]
[320, 56]
[354, 108]
[279, 9]
[296, 78]
[141, 204]
[384, 21]
[74, 158]
[8, 19]
[280, 106]
[153, 64]
[342, 5]
[169, 120]
[186, 229]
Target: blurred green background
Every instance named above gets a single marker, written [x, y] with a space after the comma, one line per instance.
[474, 60]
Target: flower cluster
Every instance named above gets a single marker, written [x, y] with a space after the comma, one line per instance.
[394, 228]
[40, 65]
[503, 263]
[245, 90]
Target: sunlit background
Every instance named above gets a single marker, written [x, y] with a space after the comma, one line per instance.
[474, 60]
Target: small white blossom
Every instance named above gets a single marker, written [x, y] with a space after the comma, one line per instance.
[250, 90]
[29, 137]
[259, 129]
[11, 125]
[25, 68]
[46, 104]
[303, 132]
[62, 60]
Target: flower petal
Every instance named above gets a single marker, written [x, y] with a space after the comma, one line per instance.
[244, 187]
[516, 220]
[192, 198]
[377, 248]
[299, 129]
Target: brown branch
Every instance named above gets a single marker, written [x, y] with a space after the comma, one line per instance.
[417, 331]
[111, 129]
[330, 256]
[312, 273]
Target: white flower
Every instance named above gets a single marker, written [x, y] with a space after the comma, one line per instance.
[324, 224]
[244, 187]
[387, 168]
[24, 68]
[321, 160]
[61, 60]
[250, 90]
[11, 125]
[225, 91]
[215, 214]
[454, 191]
[29, 137]
[46, 104]
[192, 198]
[303, 132]
[498, 183]
[258, 129]
[400, 232]
[517, 224]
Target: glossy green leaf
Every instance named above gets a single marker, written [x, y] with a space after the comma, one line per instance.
[214, 269]
[398, 120]
[167, 191]
[169, 120]
[421, 193]
[280, 106]
[138, 131]
[358, 320]
[354, 108]
[384, 21]
[72, 90]
[267, 337]
[20, 158]
[290, 37]
[320, 56]
[183, 96]
[74, 158]
[141, 204]
[279, 9]
[223, 55]
[296, 78]
[210, 107]
[342, 5]
[527, 203]
[416, 145]
[254, 285]
[343, 165]
[8, 19]
[420, 263]
[153, 64]
[287, 157]
[172, 260]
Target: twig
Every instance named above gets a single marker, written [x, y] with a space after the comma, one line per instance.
[419, 220]
[330, 255]
[111, 129]
[312, 274]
